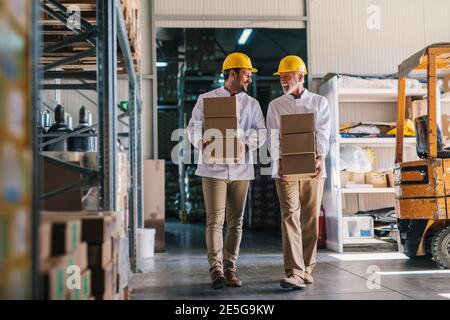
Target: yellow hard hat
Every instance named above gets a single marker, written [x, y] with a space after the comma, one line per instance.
[291, 64]
[237, 60]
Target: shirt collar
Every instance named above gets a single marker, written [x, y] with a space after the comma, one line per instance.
[227, 93]
[302, 96]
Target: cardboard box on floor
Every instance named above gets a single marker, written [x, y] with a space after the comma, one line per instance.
[45, 241]
[154, 199]
[298, 145]
[84, 293]
[221, 113]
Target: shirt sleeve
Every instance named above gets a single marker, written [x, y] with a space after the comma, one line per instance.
[195, 126]
[273, 127]
[323, 129]
[256, 136]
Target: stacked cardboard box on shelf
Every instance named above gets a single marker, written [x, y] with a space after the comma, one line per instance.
[132, 15]
[298, 151]
[221, 116]
[90, 241]
[154, 200]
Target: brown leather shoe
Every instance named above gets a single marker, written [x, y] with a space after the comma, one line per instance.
[217, 280]
[292, 282]
[232, 279]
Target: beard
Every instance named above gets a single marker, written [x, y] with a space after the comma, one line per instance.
[290, 88]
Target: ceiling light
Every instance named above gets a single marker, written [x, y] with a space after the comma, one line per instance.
[244, 36]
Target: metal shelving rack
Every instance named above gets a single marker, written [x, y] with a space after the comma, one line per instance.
[96, 70]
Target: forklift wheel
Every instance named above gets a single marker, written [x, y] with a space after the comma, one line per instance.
[440, 247]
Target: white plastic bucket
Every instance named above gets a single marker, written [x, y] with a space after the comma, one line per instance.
[146, 243]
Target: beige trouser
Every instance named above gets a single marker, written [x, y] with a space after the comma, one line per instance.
[224, 199]
[300, 202]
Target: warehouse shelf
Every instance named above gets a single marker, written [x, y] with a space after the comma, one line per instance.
[362, 241]
[389, 142]
[94, 54]
[367, 190]
[375, 94]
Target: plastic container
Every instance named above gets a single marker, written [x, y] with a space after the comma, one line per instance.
[358, 228]
[146, 243]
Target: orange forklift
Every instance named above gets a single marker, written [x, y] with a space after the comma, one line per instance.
[422, 187]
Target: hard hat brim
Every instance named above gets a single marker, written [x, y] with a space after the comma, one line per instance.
[278, 73]
[251, 69]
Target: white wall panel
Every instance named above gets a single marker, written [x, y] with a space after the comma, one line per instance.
[341, 42]
[229, 14]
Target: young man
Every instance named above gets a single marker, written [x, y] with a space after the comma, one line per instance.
[225, 186]
[300, 199]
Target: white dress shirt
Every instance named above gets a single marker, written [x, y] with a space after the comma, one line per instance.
[307, 103]
[252, 124]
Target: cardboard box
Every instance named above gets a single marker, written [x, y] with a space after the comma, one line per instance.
[358, 177]
[102, 281]
[345, 178]
[419, 108]
[390, 179]
[377, 179]
[297, 123]
[99, 255]
[84, 292]
[80, 256]
[299, 165]
[226, 126]
[154, 199]
[45, 241]
[66, 236]
[220, 107]
[297, 143]
[224, 150]
[56, 177]
[446, 84]
[54, 279]
[97, 227]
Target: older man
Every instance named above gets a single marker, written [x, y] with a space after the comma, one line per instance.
[225, 186]
[300, 198]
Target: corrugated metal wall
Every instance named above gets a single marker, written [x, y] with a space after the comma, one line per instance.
[341, 41]
[229, 14]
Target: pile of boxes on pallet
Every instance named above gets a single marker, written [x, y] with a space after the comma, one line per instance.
[200, 52]
[83, 256]
[298, 152]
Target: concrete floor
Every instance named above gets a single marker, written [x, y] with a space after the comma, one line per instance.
[182, 272]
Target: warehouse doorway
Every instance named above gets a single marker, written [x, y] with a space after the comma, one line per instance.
[189, 63]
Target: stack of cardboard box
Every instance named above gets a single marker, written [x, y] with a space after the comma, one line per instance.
[89, 241]
[64, 259]
[298, 148]
[221, 124]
